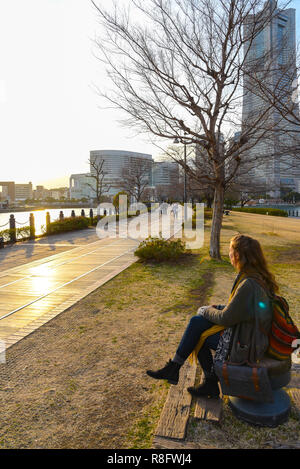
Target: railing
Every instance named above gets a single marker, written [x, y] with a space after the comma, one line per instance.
[294, 213]
[291, 209]
[14, 227]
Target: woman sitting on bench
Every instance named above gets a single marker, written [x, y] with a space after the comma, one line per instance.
[250, 296]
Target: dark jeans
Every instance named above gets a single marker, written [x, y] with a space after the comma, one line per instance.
[190, 338]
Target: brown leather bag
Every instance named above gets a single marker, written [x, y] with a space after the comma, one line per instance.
[247, 381]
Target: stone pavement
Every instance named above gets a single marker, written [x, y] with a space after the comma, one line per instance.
[28, 251]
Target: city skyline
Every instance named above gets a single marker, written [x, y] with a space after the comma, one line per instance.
[49, 110]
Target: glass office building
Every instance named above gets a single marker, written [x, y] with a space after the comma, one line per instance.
[271, 162]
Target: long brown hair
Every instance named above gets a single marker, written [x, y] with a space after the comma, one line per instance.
[252, 262]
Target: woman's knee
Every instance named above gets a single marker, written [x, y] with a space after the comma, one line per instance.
[200, 321]
[194, 320]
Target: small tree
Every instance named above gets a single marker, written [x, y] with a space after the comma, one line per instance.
[136, 178]
[116, 200]
[100, 186]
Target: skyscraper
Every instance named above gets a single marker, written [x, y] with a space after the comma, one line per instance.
[271, 161]
[165, 173]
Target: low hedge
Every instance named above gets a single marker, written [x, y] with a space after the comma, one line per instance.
[23, 233]
[159, 249]
[67, 224]
[20, 233]
[5, 234]
[108, 218]
[94, 221]
[275, 212]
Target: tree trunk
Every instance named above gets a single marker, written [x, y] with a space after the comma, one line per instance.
[216, 226]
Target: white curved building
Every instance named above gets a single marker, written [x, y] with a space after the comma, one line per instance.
[114, 162]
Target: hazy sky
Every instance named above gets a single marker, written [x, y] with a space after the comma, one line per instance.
[50, 115]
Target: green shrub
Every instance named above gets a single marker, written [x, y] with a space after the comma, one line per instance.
[159, 249]
[20, 233]
[94, 221]
[275, 212]
[5, 234]
[23, 233]
[67, 224]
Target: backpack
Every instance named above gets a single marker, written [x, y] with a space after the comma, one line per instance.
[283, 332]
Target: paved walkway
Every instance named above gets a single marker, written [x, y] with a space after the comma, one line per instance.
[32, 293]
[28, 251]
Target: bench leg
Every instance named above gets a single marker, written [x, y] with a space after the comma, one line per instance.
[263, 414]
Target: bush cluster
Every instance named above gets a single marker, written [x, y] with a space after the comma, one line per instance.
[23, 233]
[159, 249]
[67, 224]
[93, 221]
[20, 233]
[275, 212]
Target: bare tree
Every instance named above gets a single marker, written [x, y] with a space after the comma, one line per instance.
[178, 72]
[99, 186]
[149, 194]
[136, 178]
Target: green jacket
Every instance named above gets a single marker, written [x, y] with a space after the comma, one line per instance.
[250, 314]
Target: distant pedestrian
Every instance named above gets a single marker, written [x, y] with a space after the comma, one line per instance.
[175, 210]
[164, 208]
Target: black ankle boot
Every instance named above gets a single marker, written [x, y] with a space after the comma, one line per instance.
[209, 388]
[169, 372]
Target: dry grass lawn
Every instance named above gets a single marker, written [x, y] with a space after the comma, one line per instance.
[79, 381]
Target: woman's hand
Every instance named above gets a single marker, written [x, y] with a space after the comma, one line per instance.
[201, 310]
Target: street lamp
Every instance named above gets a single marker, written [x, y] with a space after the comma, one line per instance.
[176, 141]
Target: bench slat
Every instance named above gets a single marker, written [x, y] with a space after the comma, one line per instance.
[208, 409]
[295, 395]
[174, 417]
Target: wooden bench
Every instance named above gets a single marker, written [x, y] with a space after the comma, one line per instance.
[172, 425]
